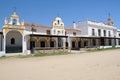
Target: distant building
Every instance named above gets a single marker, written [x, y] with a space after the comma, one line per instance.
[20, 36]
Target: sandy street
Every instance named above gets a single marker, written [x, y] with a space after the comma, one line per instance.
[103, 65]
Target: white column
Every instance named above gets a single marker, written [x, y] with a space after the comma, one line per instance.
[63, 42]
[69, 42]
[24, 44]
[117, 42]
[113, 42]
[57, 42]
[4, 43]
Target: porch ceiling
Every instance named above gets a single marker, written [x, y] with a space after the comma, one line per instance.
[40, 35]
[97, 37]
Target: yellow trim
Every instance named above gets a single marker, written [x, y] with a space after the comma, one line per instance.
[21, 30]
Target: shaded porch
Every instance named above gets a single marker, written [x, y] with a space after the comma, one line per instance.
[46, 42]
[93, 42]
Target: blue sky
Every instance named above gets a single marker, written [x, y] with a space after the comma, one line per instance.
[44, 11]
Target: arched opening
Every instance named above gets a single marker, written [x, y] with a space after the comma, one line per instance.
[52, 44]
[79, 44]
[94, 42]
[102, 42]
[14, 22]
[13, 42]
[66, 44]
[42, 44]
[73, 44]
[31, 43]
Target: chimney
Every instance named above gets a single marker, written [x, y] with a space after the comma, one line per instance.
[74, 24]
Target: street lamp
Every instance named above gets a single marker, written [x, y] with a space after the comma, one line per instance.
[31, 43]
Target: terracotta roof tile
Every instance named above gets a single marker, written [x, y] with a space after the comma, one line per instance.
[46, 27]
[36, 25]
[73, 29]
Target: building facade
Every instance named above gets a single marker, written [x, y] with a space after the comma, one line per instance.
[20, 36]
[99, 34]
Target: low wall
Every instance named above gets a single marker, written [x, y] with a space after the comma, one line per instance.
[106, 47]
[2, 53]
[117, 46]
[51, 50]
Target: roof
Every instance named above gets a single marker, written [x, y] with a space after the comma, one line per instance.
[35, 25]
[100, 24]
[72, 29]
[95, 37]
[46, 27]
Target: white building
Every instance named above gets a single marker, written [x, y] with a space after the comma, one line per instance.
[99, 33]
[19, 36]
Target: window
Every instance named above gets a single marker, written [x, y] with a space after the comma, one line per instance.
[48, 31]
[58, 32]
[109, 34]
[58, 22]
[104, 32]
[65, 33]
[14, 21]
[34, 30]
[12, 41]
[99, 32]
[93, 32]
[119, 35]
[74, 33]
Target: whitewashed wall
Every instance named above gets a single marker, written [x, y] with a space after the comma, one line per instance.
[83, 27]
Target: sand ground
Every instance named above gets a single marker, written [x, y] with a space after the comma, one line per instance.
[103, 65]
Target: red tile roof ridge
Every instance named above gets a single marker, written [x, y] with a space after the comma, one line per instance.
[36, 25]
[70, 28]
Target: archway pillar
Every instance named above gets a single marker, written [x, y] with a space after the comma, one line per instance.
[64, 42]
[69, 42]
[4, 43]
[24, 44]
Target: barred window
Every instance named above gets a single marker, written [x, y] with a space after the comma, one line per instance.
[12, 41]
[93, 32]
